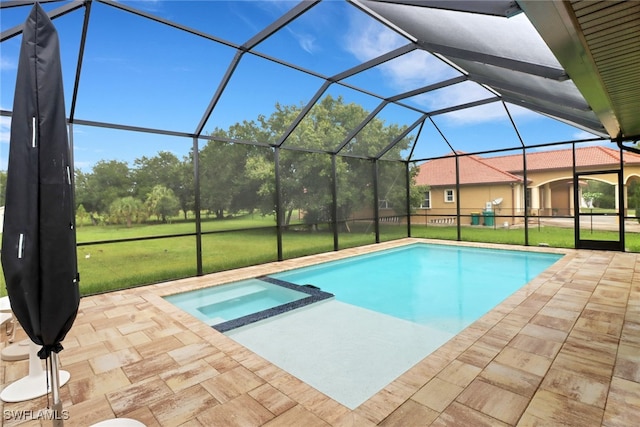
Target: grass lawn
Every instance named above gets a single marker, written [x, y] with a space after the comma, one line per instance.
[557, 237]
[88, 233]
[252, 240]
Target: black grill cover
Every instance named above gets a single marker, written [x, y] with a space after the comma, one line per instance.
[38, 241]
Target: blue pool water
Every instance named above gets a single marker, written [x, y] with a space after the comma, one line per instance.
[444, 287]
[440, 286]
[219, 304]
[391, 309]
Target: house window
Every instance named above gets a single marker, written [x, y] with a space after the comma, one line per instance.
[426, 203]
[449, 196]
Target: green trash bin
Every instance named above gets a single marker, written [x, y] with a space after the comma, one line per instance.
[488, 218]
[475, 218]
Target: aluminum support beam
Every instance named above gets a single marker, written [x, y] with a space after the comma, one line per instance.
[400, 137]
[281, 22]
[56, 13]
[303, 113]
[221, 87]
[172, 24]
[463, 106]
[361, 126]
[498, 61]
[83, 42]
[429, 88]
[375, 62]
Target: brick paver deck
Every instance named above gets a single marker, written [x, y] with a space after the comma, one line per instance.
[563, 350]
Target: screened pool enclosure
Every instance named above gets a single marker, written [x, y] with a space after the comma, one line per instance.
[210, 135]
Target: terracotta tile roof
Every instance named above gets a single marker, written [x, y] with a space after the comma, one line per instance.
[562, 159]
[503, 169]
[473, 170]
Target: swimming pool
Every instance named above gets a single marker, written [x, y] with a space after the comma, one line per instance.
[441, 286]
[391, 309]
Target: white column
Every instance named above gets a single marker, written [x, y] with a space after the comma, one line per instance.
[547, 197]
[535, 200]
[571, 204]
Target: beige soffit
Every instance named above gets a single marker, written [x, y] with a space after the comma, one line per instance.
[598, 44]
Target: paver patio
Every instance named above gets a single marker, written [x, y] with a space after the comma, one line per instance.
[564, 349]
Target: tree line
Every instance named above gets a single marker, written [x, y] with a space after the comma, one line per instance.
[241, 176]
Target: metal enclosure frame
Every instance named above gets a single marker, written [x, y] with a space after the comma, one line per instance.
[480, 65]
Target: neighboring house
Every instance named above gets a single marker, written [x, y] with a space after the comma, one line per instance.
[497, 184]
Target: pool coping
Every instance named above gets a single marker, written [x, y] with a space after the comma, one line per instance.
[378, 406]
[163, 289]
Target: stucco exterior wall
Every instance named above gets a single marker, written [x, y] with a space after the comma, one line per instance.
[549, 192]
[474, 199]
[561, 198]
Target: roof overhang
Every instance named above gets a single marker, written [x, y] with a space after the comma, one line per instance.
[505, 8]
[598, 44]
[497, 47]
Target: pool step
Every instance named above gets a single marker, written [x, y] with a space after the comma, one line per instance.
[232, 300]
[238, 292]
[251, 303]
[230, 306]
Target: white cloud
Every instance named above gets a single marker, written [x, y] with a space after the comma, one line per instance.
[148, 5]
[7, 64]
[581, 134]
[306, 41]
[416, 69]
[5, 129]
[5, 133]
[453, 95]
[368, 39]
[481, 114]
[273, 8]
[278, 7]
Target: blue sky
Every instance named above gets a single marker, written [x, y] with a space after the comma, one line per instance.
[142, 73]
